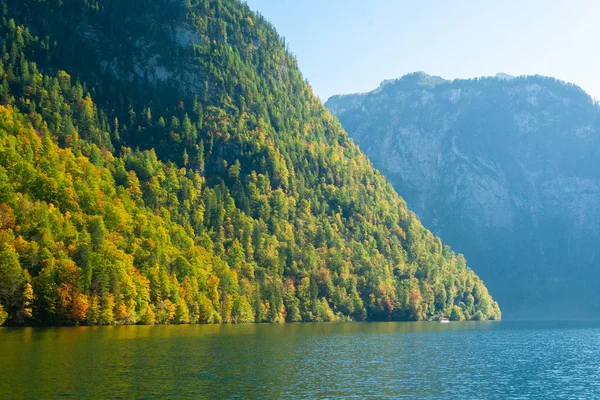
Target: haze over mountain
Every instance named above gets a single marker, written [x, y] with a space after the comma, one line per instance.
[506, 169]
[165, 161]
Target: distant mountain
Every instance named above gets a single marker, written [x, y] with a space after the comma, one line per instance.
[506, 170]
[501, 75]
[165, 162]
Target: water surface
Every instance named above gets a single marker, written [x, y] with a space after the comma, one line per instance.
[400, 360]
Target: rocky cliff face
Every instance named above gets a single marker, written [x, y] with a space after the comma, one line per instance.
[506, 171]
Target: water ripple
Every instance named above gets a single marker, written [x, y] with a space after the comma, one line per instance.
[379, 360]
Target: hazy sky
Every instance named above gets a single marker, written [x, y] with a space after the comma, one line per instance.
[347, 46]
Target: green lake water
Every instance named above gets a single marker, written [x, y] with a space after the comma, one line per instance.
[380, 360]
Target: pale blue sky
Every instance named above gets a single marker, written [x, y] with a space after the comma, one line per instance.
[347, 46]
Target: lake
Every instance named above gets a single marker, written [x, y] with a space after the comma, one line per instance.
[400, 360]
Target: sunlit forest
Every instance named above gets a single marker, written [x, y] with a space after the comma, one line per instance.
[182, 171]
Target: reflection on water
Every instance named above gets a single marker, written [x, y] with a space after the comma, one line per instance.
[426, 359]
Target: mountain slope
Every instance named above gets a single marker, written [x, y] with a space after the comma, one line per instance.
[165, 162]
[506, 170]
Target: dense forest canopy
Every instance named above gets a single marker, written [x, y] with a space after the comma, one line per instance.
[165, 162]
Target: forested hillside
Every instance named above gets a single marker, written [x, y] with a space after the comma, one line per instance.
[165, 162]
[506, 170]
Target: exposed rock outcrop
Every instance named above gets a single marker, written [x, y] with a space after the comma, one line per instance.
[507, 171]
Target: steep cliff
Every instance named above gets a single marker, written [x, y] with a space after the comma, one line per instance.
[507, 170]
